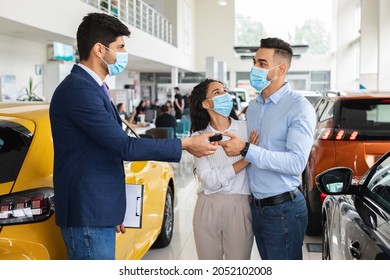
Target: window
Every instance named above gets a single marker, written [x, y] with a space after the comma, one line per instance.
[379, 185]
[14, 143]
[366, 114]
[310, 25]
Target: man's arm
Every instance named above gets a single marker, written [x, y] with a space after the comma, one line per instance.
[199, 145]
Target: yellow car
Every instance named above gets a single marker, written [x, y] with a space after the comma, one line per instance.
[27, 205]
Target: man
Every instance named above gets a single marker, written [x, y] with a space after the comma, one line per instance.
[121, 108]
[285, 122]
[166, 119]
[156, 105]
[178, 103]
[90, 145]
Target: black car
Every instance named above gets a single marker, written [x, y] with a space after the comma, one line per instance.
[356, 213]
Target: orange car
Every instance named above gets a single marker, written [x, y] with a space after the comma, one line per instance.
[353, 130]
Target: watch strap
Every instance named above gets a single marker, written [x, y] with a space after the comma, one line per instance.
[244, 151]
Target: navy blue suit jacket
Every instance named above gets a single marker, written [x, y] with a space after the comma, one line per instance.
[89, 149]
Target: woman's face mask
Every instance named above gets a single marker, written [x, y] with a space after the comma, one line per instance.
[223, 104]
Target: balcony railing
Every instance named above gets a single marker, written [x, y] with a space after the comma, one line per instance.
[137, 14]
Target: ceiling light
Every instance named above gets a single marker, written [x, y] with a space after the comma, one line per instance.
[222, 2]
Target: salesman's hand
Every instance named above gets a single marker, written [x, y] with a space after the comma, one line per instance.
[199, 145]
[233, 146]
[120, 229]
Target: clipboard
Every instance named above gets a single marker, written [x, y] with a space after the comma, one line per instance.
[134, 206]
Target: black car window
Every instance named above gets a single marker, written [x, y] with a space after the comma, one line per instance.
[14, 143]
[367, 114]
[319, 107]
[328, 111]
[379, 185]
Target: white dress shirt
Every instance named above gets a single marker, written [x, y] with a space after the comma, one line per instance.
[215, 172]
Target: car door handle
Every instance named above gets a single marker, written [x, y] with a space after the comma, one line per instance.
[354, 248]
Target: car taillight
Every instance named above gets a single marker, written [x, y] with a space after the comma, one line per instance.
[27, 206]
[322, 197]
[338, 134]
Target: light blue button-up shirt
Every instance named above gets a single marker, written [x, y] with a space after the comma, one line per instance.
[285, 123]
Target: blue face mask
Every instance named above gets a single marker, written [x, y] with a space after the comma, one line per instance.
[223, 104]
[258, 78]
[119, 65]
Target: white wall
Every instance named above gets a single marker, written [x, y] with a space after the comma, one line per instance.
[384, 46]
[18, 57]
[61, 19]
[347, 53]
[369, 42]
[57, 16]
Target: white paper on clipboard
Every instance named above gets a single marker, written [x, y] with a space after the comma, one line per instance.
[134, 206]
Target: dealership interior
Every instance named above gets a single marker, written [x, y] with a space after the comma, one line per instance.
[181, 42]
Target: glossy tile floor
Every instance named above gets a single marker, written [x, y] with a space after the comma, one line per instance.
[182, 246]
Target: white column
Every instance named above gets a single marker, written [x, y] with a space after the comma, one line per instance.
[369, 44]
[174, 80]
[221, 72]
[347, 46]
[211, 68]
[384, 46]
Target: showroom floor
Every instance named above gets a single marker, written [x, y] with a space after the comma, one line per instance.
[182, 246]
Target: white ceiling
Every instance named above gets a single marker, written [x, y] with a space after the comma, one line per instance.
[18, 30]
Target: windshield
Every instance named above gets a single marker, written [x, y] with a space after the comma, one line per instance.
[370, 118]
[14, 143]
[368, 114]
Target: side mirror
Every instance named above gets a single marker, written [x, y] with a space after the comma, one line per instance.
[334, 181]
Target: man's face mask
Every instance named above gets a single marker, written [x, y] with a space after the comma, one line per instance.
[120, 63]
[258, 78]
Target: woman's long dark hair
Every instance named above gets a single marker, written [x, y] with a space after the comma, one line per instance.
[199, 116]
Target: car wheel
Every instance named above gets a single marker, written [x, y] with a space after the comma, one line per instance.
[165, 236]
[325, 242]
[314, 226]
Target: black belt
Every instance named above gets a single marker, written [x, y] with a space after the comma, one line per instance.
[274, 200]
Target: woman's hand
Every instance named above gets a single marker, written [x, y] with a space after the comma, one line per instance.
[254, 137]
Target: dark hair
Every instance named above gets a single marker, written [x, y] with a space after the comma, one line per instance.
[118, 106]
[98, 27]
[176, 88]
[282, 49]
[198, 115]
[164, 108]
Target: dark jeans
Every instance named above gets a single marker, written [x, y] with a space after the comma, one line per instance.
[280, 229]
[89, 243]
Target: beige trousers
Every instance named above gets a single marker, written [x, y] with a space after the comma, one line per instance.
[223, 227]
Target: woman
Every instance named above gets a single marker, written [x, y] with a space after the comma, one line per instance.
[139, 110]
[222, 218]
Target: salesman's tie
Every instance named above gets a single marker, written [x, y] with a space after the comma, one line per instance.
[105, 89]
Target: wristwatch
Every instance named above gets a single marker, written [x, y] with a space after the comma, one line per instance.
[245, 150]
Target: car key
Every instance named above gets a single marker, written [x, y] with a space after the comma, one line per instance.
[215, 137]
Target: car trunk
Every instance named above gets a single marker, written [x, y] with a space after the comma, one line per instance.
[363, 129]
